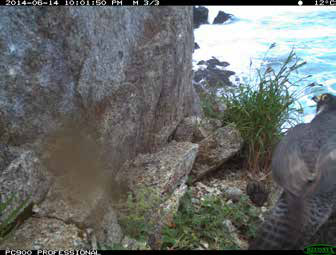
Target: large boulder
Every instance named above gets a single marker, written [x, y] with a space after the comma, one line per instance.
[216, 149]
[164, 170]
[47, 233]
[200, 16]
[161, 175]
[25, 181]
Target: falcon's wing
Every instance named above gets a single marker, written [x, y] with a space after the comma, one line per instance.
[312, 210]
[326, 164]
[293, 161]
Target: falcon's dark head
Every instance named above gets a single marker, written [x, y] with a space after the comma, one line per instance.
[325, 102]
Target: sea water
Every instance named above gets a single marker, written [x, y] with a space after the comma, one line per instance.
[310, 31]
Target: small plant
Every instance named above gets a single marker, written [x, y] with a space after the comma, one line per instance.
[136, 213]
[261, 109]
[8, 223]
[203, 225]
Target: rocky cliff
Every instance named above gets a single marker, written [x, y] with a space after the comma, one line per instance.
[83, 90]
[124, 71]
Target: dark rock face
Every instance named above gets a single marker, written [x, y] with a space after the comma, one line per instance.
[196, 46]
[126, 72]
[200, 16]
[222, 17]
[212, 76]
[212, 63]
[209, 82]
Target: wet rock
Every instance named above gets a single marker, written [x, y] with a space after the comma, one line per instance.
[26, 178]
[47, 233]
[166, 173]
[216, 149]
[210, 81]
[222, 17]
[213, 62]
[196, 46]
[215, 77]
[200, 16]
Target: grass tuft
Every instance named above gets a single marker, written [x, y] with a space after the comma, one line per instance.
[264, 108]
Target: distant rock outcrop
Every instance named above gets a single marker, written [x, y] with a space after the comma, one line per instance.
[196, 46]
[200, 16]
[210, 80]
[213, 75]
[222, 17]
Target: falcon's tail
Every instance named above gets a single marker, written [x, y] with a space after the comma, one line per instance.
[283, 228]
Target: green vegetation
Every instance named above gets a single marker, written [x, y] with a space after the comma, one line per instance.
[8, 224]
[202, 226]
[194, 225]
[263, 108]
[136, 214]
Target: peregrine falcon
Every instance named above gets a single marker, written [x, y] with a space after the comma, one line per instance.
[304, 165]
